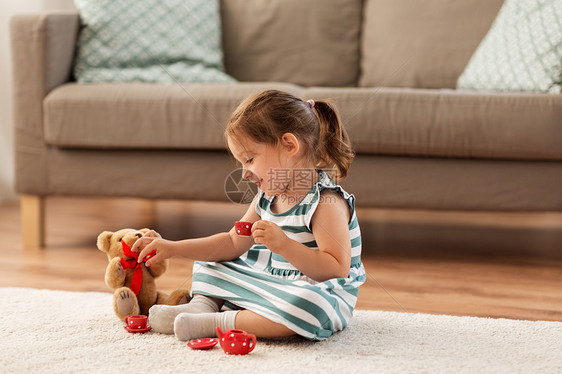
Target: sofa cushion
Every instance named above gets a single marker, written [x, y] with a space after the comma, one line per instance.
[143, 115]
[521, 52]
[449, 123]
[305, 42]
[150, 41]
[421, 44]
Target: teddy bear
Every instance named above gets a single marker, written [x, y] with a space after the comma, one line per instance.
[133, 282]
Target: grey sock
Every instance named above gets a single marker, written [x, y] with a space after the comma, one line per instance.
[192, 326]
[161, 317]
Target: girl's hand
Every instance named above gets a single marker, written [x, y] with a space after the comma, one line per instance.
[148, 234]
[153, 241]
[270, 235]
[148, 237]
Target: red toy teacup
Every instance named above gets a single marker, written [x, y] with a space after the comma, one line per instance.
[243, 228]
[136, 322]
[236, 342]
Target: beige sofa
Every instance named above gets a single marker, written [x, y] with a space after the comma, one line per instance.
[390, 66]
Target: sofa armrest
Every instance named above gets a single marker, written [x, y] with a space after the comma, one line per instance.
[43, 45]
[43, 48]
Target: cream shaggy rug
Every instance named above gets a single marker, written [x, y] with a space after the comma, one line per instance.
[45, 331]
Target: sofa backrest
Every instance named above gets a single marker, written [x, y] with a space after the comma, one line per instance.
[421, 43]
[370, 43]
[306, 42]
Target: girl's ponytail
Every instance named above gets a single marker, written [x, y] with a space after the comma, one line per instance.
[335, 146]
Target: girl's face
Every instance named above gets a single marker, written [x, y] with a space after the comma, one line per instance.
[267, 166]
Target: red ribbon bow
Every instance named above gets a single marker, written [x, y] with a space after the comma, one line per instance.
[134, 263]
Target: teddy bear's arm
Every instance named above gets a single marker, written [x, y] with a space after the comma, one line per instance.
[158, 269]
[114, 274]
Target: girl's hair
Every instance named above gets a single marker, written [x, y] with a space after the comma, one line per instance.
[265, 117]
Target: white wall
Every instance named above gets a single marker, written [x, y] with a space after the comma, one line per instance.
[7, 9]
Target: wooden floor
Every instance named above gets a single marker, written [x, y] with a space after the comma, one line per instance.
[476, 264]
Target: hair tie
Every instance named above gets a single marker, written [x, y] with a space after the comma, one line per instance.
[311, 103]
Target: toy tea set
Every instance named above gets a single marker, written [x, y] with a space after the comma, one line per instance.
[232, 342]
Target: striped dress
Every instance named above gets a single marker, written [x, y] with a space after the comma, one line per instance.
[267, 284]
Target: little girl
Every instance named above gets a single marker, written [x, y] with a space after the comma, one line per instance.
[300, 270]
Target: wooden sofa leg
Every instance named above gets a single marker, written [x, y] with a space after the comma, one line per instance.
[32, 209]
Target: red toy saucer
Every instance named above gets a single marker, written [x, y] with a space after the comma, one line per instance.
[147, 328]
[205, 343]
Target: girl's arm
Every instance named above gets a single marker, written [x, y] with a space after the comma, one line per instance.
[219, 247]
[330, 225]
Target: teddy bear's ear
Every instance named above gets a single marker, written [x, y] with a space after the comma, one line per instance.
[144, 231]
[104, 240]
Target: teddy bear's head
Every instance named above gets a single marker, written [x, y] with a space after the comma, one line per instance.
[111, 242]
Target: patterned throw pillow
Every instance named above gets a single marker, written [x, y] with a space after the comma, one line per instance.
[149, 41]
[521, 52]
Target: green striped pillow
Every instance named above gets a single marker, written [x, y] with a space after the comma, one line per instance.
[521, 52]
[149, 41]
